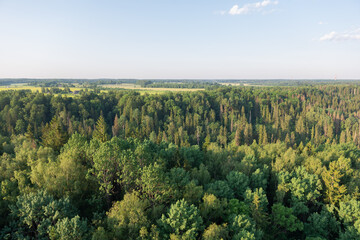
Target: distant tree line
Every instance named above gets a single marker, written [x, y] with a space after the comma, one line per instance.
[178, 84]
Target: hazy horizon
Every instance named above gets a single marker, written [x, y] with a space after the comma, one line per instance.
[230, 39]
[193, 79]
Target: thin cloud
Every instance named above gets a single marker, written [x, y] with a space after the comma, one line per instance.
[251, 7]
[334, 36]
[220, 12]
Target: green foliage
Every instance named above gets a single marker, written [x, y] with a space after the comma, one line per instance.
[349, 212]
[192, 156]
[287, 162]
[323, 225]
[201, 175]
[154, 184]
[235, 207]
[106, 162]
[220, 189]
[53, 136]
[259, 178]
[69, 229]
[35, 213]
[193, 193]
[212, 208]
[335, 191]
[243, 227]
[179, 178]
[257, 196]
[304, 188]
[100, 132]
[351, 232]
[238, 182]
[65, 176]
[127, 217]
[215, 232]
[283, 218]
[183, 221]
[249, 163]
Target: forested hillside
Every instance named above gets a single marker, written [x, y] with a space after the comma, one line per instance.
[229, 163]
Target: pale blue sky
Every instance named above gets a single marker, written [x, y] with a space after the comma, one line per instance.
[212, 39]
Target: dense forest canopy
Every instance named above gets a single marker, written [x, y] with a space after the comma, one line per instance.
[240, 115]
[228, 163]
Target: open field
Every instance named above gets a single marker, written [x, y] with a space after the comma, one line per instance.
[125, 86]
[32, 88]
[20, 87]
[149, 90]
[233, 84]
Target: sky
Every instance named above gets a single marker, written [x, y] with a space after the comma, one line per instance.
[180, 39]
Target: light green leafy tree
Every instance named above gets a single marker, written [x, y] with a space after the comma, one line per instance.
[243, 227]
[183, 221]
[304, 188]
[349, 212]
[69, 229]
[128, 216]
[65, 176]
[106, 167]
[216, 232]
[154, 183]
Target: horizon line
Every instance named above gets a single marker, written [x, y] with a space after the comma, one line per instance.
[189, 79]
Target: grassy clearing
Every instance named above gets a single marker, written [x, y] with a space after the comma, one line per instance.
[32, 88]
[125, 86]
[150, 90]
[233, 84]
[20, 87]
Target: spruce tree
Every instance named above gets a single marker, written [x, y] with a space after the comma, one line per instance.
[100, 131]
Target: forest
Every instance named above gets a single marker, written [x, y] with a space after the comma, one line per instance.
[280, 162]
